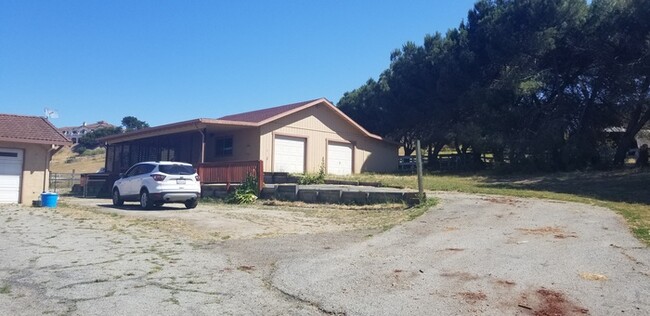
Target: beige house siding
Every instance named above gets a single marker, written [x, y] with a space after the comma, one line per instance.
[320, 125]
[36, 163]
[376, 156]
[245, 144]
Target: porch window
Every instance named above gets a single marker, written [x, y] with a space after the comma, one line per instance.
[223, 146]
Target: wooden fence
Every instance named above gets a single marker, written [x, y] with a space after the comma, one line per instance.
[231, 172]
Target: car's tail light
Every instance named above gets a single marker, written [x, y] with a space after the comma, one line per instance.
[158, 177]
[197, 177]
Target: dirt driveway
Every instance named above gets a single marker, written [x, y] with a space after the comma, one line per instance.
[468, 255]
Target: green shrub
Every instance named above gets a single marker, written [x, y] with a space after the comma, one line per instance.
[241, 197]
[246, 193]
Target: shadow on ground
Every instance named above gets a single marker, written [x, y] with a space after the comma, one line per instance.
[136, 207]
[630, 185]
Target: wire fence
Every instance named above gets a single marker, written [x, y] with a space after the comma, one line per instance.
[64, 182]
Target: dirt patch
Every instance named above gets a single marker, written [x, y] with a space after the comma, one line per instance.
[246, 268]
[214, 222]
[473, 297]
[564, 236]
[505, 283]
[545, 302]
[454, 249]
[464, 276]
[501, 200]
[547, 230]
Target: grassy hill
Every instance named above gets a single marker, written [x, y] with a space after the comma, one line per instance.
[67, 161]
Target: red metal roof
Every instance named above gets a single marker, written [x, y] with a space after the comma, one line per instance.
[264, 114]
[29, 129]
[247, 119]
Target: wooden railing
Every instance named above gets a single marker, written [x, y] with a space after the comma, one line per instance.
[231, 172]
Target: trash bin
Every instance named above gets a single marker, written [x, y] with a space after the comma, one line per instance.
[49, 199]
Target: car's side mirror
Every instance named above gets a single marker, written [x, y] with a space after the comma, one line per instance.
[122, 175]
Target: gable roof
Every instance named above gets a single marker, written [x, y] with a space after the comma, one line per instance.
[246, 119]
[264, 114]
[30, 129]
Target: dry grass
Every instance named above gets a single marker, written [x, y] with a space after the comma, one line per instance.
[79, 164]
[593, 276]
[337, 217]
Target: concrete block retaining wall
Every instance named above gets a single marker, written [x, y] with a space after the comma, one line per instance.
[322, 194]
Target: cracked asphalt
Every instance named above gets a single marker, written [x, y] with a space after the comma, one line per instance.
[469, 255]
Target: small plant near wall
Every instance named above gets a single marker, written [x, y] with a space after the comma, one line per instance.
[318, 178]
[246, 193]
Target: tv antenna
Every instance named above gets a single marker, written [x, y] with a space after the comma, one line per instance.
[50, 113]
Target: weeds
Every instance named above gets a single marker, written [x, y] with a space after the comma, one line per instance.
[246, 193]
[318, 178]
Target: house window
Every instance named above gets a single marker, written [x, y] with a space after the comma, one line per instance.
[223, 146]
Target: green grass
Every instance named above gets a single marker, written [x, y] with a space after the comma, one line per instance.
[625, 191]
[5, 289]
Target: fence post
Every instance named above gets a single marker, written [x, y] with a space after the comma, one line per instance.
[260, 176]
[419, 167]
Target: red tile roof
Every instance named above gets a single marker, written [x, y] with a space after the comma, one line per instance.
[264, 114]
[29, 129]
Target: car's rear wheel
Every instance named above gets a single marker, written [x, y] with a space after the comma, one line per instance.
[145, 200]
[117, 199]
[191, 203]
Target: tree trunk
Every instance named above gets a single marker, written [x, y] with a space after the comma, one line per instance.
[433, 155]
[408, 150]
[637, 120]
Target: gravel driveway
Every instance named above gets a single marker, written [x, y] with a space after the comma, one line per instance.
[469, 255]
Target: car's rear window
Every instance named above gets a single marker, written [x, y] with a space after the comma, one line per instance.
[176, 169]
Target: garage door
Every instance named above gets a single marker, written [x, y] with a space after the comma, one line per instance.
[11, 167]
[339, 158]
[289, 154]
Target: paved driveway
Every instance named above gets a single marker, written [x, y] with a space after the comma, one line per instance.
[469, 255]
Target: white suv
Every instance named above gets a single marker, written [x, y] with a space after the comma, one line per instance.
[156, 183]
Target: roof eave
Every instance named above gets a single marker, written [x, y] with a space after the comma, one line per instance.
[35, 141]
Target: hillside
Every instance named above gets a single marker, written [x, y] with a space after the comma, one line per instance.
[66, 161]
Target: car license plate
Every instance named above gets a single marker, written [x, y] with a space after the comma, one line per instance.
[180, 181]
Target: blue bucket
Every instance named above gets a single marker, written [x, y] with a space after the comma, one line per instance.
[49, 199]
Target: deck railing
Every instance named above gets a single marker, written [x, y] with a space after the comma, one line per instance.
[231, 172]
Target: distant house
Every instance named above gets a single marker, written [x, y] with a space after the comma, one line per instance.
[27, 144]
[295, 138]
[76, 132]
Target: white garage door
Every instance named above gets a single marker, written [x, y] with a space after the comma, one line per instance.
[11, 167]
[289, 154]
[339, 158]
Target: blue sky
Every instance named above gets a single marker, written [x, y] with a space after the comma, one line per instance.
[168, 61]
